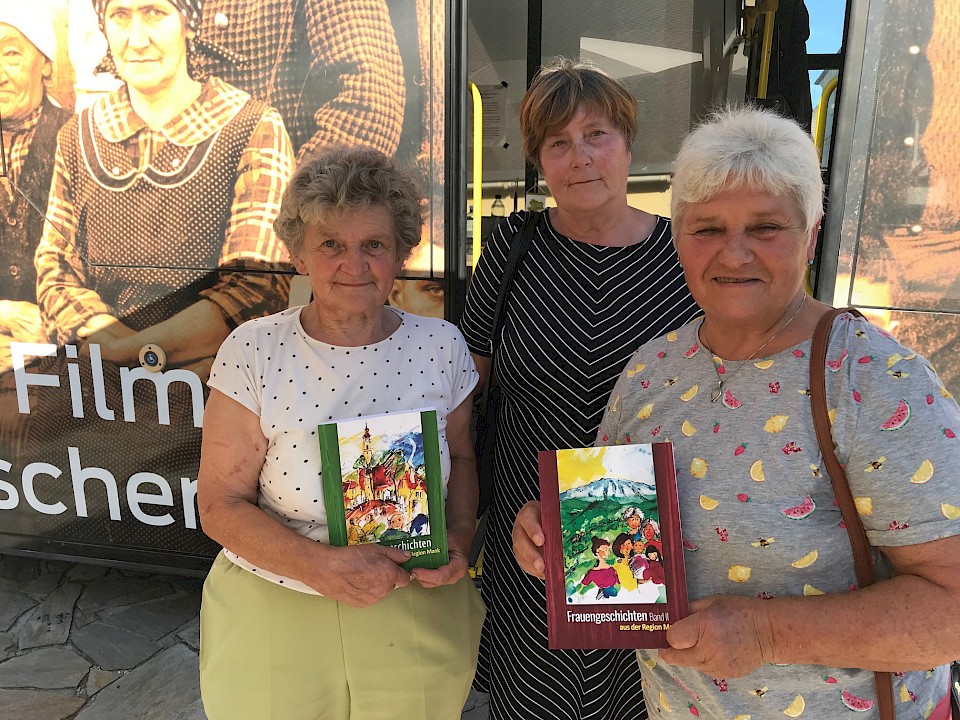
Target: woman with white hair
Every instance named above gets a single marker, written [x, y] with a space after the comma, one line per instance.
[779, 624]
[28, 48]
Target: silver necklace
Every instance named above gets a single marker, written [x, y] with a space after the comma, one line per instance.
[722, 380]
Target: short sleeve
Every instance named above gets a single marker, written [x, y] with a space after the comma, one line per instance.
[463, 372]
[477, 321]
[234, 369]
[896, 431]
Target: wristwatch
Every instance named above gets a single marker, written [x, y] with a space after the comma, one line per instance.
[152, 357]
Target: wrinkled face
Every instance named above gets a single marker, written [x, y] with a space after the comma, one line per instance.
[744, 254]
[586, 163]
[351, 260]
[148, 41]
[22, 71]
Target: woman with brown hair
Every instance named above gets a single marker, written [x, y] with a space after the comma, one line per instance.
[600, 279]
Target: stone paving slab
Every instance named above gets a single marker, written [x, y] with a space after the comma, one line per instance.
[50, 623]
[113, 648]
[13, 603]
[113, 592]
[37, 705]
[167, 687]
[155, 619]
[46, 669]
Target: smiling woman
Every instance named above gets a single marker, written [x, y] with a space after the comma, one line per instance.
[293, 627]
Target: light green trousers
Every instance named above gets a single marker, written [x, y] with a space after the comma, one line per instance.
[270, 653]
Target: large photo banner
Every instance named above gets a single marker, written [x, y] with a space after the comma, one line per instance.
[146, 145]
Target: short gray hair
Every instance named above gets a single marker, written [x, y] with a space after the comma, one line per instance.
[341, 178]
[748, 147]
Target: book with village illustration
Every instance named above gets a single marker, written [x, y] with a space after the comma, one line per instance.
[382, 483]
[613, 553]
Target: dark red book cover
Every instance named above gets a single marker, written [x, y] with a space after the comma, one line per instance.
[613, 554]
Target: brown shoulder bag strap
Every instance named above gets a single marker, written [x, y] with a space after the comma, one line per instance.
[848, 508]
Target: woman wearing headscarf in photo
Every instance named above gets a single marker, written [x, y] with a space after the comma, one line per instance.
[158, 242]
[292, 628]
[600, 279]
[162, 198]
[778, 623]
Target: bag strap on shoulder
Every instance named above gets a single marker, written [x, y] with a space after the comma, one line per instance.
[518, 249]
[838, 477]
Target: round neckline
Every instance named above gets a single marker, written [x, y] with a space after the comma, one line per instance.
[726, 361]
[347, 348]
[581, 243]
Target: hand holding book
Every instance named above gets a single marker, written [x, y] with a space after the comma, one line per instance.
[528, 539]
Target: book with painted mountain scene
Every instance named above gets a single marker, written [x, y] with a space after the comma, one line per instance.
[613, 553]
[382, 483]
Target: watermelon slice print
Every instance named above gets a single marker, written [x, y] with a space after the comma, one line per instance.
[856, 704]
[899, 418]
[730, 401]
[798, 512]
[834, 365]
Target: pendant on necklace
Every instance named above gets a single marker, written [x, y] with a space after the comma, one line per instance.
[717, 392]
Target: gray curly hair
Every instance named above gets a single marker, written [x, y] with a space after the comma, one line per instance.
[342, 178]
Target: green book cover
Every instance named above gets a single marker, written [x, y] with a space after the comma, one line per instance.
[382, 483]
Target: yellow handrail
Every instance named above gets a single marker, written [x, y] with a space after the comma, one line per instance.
[477, 168]
[820, 126]
[765, 52]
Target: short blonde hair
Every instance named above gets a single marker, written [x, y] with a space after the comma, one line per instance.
[343, 178]
[748, 147]
[560, 89]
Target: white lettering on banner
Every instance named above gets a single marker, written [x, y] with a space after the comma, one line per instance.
[128, 377]
[19, 351]
[29, 473]
[79, 476]
[135, 498]
[161, 381]
[13, 497]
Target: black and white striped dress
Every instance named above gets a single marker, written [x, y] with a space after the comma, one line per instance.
[576, 314]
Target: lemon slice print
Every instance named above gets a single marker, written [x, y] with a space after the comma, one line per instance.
[698, 467]
[690, 394]
[664, 704]
[923, 473]
[776, 423]
[687, 428]
[864, 505]
[796, 708]
[708, 503]
[951, 512]
[645, 412]
[756, 471]
[807, 560]
[738, 573]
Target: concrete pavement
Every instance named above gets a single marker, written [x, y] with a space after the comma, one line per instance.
[86, 642]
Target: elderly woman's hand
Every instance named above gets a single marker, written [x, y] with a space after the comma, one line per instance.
[447, 574]
[528, 539]
[724, 636]
[360, 575]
